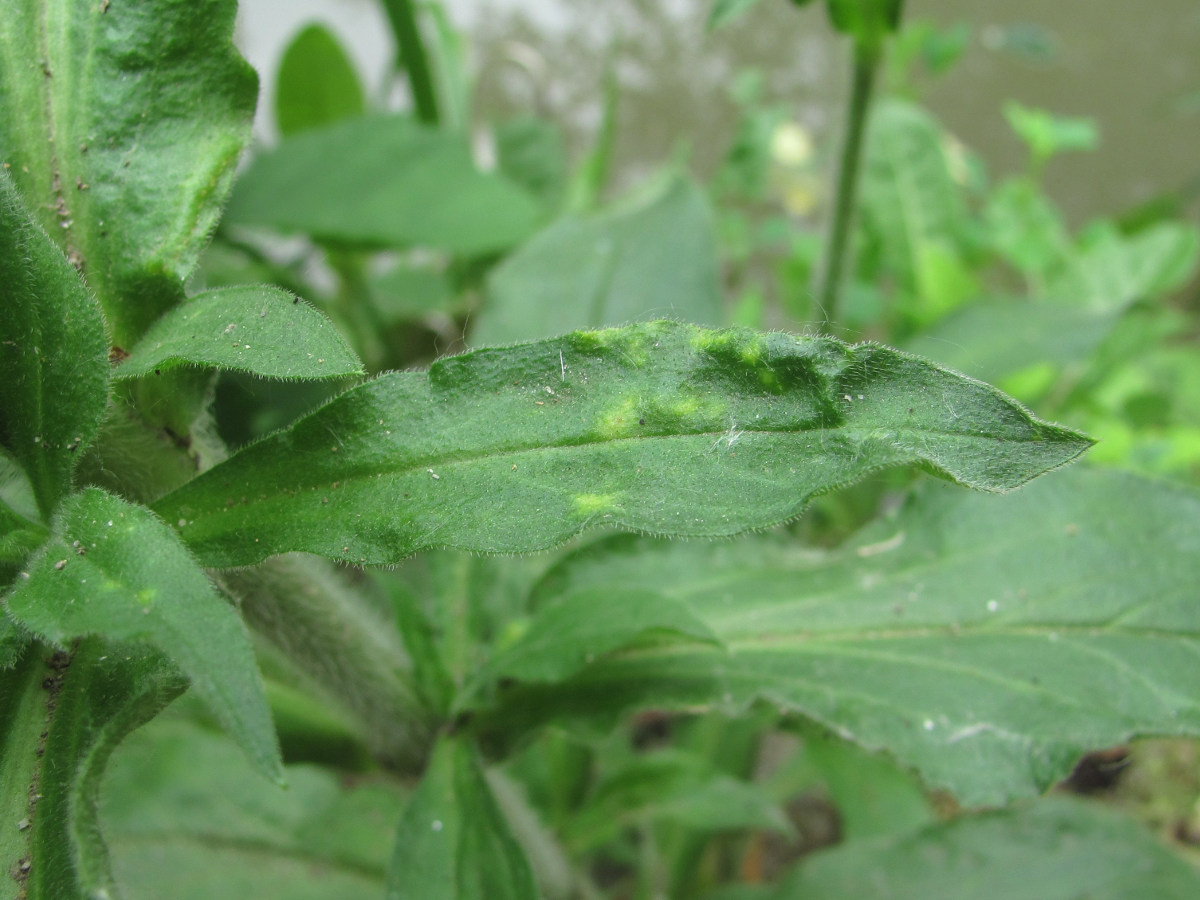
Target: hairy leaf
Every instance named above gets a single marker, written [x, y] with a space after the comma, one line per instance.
[453, 843]
[258, 329]
[112, 569]
[659, 427]
[383, 181]
[985, 642]
[1057, 849]
[94, 96]
[53, 354]
[317, 83]
[186, 817]
[652, 256]
[64, 714]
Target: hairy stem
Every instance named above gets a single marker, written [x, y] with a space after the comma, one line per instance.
[351, 653]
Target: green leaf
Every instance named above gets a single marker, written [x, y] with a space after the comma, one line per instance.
[258, 329]
[725, 11]
[985, 642]
[912, 208]
[112, 569]
[1057, 849]
[661, 427]
[383, 181]
[530, 151]
[188, 818]
[407, 293]
[1114, 270]
[64, 714]
[676, 787]
[996, 337]
[572, 632]
[1047, 135]
[654, 255]
[317, 83]
[53, 354]
[12, 642]
[453, 843]
[1026, 229]
[92, 95]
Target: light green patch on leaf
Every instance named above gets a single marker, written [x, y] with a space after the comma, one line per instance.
[383, 181]
[414, 459]
[652, 256]
[113, 569]
[453, 843]
[987, 643]
[122, 124]
[1056, 849]
[317, 83]
[53, 354]
[188, 818]
[258, 329]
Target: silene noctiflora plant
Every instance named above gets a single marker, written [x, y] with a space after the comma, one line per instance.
[459, 726]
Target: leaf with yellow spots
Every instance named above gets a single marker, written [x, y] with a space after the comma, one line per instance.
[660, 427]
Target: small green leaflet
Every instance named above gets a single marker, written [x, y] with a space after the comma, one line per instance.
[258, 329]
[453, 842]
[659, 427]
[112, 569]
[317, 84]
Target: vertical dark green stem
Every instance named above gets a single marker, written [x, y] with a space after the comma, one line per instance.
[402, 15]
[867, 55]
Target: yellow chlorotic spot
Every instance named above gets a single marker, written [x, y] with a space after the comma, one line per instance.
[752, 353]
[146, 596]
[594, 504]
[619, 420]
[686, 407]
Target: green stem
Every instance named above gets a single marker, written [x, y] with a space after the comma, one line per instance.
[307, 610]
[402, 15]
[867, 56]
